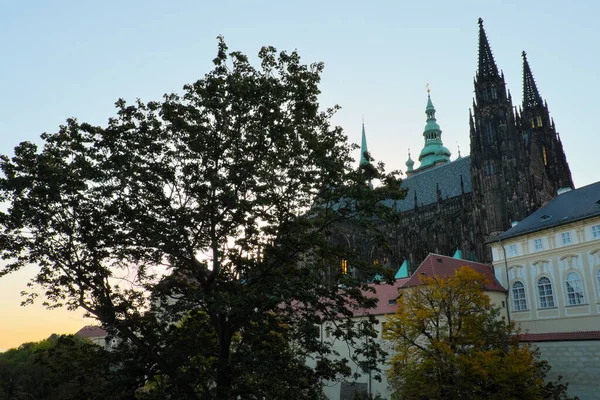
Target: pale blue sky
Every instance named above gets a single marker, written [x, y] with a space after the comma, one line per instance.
[65, 59]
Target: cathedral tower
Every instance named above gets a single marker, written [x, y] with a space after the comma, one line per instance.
[548, 166]
[497, 169]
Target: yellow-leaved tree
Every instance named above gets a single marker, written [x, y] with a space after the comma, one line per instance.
[451, 343]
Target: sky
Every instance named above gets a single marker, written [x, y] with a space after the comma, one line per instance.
[62, 59]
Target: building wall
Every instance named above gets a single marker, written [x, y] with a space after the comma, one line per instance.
[367, 383]
[553, 253]
[578, 363]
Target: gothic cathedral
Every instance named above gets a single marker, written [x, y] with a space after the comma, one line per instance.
[517, 163]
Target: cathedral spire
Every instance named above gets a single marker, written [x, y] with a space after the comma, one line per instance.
[363, 147]
[487, 65]
[531, 96]
[433, 152]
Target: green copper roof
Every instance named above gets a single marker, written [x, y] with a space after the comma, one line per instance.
[429, 104]
[457, 254]
[403, 270]
[409, 163]
[363, 147]
[434, 151]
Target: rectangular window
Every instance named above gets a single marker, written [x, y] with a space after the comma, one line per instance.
[489, 168]
[489, 131]
[539, 245]
[566, 238]
[596, 231]
[512, 250]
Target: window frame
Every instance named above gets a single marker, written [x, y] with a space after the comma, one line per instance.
[539, 241]
[565, 238]
[596, 232]
[574, 289]
[545, 292]
[519, 296]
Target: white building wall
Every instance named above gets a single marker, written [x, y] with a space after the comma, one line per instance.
[556, 261]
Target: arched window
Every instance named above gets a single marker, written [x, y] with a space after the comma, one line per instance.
[344, 265]
[574, 289]
[519, 299]
[545, 291]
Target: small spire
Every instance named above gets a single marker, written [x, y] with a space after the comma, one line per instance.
[531, 96]
[487, 65]
[409, 163]
[363, 146]
[459, 156]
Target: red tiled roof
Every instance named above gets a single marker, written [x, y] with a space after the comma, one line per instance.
[386, 295]
[559, 336]
[444, 267]
[89, 331]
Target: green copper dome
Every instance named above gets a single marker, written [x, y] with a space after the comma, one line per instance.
[409, 163]
[434, 151]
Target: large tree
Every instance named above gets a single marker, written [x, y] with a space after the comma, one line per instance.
[198, 230]
[450, 343]
[64, 367]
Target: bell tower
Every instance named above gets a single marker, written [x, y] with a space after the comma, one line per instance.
[497, 170]
[548, 167]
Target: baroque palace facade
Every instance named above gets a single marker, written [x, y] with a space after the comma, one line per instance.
[516, 164]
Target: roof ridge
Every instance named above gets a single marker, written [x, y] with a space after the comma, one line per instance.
[459, 259]
[436, 167]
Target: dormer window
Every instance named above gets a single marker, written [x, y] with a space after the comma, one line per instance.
[546, 218]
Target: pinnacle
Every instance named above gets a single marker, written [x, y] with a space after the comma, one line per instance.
[487, 65]
[363, 147]
[531, 96]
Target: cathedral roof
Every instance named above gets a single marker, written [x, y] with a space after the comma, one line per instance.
[445, 178]
[565, 208]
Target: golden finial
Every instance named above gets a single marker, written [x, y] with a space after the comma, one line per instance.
[427, 87]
